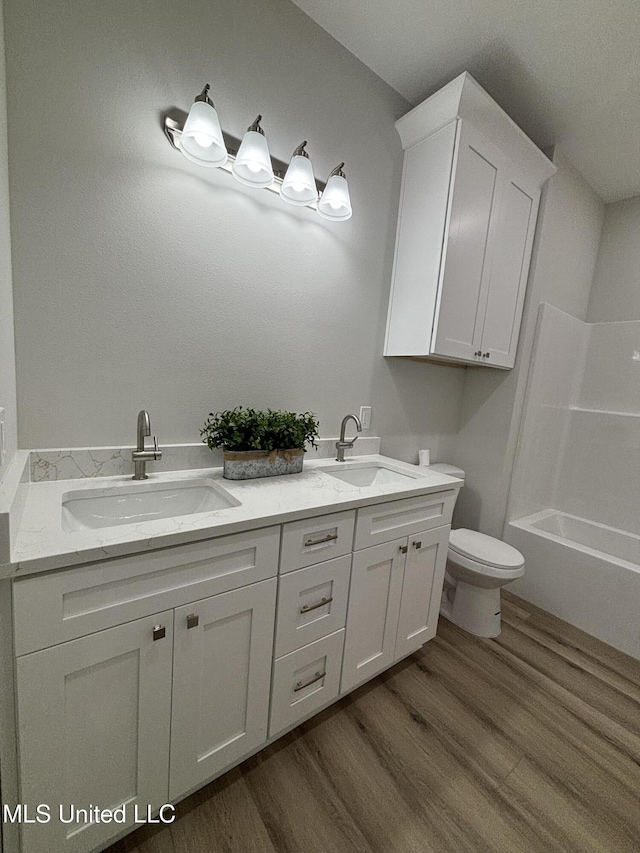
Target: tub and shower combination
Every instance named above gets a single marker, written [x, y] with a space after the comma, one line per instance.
[574, 509]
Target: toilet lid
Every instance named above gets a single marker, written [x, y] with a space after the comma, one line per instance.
[485, 549]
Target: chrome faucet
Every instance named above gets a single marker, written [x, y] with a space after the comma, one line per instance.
[341, 444]
[141, 456]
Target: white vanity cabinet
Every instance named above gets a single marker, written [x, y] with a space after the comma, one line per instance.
[143, 712]
[141, 678]
[470, 195]
[394, 602]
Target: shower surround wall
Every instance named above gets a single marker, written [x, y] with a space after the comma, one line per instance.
[573, 506]
[553, 389]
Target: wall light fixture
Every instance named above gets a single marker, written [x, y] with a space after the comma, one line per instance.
[201, 140]
[335, 202]
[299, 185]
[252, 165]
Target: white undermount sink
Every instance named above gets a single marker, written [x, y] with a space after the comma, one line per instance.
[370, 474]
[131, 504]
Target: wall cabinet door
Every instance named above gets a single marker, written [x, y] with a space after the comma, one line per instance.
[422, 222]
[421, 589]
[466, 261]
[372, 618]
[94, 724]
[511, 255]
[221, 682]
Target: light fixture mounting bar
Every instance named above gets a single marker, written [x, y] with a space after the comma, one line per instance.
[173, 132]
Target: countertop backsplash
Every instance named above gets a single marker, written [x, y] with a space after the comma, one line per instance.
[80, 462]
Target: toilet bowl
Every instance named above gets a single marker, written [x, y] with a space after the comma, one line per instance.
[477, 566]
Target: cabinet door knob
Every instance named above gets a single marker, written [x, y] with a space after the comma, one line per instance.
[159, 632]
[487, 355]
[417, 545]
[403, 549]
[193, 620]
[478, 352]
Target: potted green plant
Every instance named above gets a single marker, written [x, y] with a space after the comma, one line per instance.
[260, 443]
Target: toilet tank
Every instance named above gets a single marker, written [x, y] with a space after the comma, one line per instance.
[449, 470]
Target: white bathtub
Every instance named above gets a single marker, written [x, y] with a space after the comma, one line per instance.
[582, 571]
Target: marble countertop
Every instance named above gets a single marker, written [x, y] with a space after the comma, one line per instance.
[41, 543]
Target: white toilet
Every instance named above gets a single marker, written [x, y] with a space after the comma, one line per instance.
[477, 566]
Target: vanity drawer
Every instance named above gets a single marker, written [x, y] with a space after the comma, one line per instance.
[305, 681]
[302, 615]
[59, 606]
[314, 540]
[395, 519]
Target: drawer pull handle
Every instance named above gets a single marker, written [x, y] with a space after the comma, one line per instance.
[159, 632]
[193, 620]
[307, 608]
[417, 545]
[302, 684]
[403, 549]
[330, 537]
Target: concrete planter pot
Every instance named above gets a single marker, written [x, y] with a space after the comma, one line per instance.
[250, 464]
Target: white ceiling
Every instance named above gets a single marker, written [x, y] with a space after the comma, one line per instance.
[567, 71]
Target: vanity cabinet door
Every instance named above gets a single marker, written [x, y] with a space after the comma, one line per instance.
[421, 589]
[221, 682]
[372, 618]
[94, 725]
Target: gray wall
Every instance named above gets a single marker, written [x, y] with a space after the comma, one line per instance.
[142, 280]
[7, 353]
[616, 285]
[562, 269]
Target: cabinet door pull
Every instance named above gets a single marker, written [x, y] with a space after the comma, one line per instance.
[307, 608]
[417, 545]
[487, 355]
[403, 549]
[159, 632]
[478, 352]
[302, 684]
[193, 620]
[330, 537]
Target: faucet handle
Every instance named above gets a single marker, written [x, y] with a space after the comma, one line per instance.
[157, 453]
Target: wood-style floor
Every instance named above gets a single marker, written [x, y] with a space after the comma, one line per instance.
[530, 742]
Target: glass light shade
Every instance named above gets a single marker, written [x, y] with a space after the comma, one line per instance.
[299, 186]
[201, 140]
[252, 165]
[335, 202]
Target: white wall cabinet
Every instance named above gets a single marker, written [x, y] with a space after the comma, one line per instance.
[394, 601]
[470, 195]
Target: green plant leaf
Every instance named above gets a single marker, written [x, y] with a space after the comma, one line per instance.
[249, 429]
